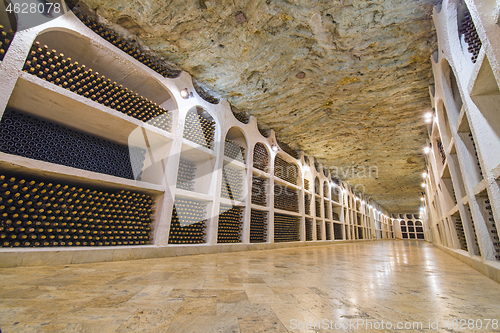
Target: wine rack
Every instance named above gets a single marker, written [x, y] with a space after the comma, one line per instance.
[317, 206]
[286, 198]
[258, 226]
[325, 206]
[491, 225]
[307, 203]
[5, 40]
[260, 157]
[234, 150]
[232, 183]
[230, 224]
[43, 213]
[441, 151]
[337, 231]
[316, 186]
[307, 185]
[129, 47]
[55, 68]
[199, 129]
[475, 153]
[328, 230]
[309, 229]
[186, 175]
[287, 149]
[335, 216]
[242, 117]
[204, 93]
[469, 215]
[32, 137]
[460, 233]
[325, 190]
[259, 191]
[188, 222]
[285, 170]
[318, 231]
[471, 37]
[286, 228]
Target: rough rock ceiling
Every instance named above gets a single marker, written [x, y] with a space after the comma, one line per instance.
[364, 87]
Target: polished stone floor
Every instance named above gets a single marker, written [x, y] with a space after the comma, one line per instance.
[261, 291]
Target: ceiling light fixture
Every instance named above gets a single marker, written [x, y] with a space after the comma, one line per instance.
[424, 174]
[184, 93]
[275, 148]
[427, 150]
[428, 115]
[423, 184]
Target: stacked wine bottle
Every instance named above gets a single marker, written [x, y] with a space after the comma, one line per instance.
[258, 226]
[260, 157]
[325, 190]
[476, 243]
[475, 153]
[287, 149]
[242, 117]
[129, 47]
[205, 94]
[468, 29]
[317, 206]
[259, 191]
[186, 175]
[328, 230]
[285, 170]
[441, 151]
[309, 229]
[335, 216]
[232, 183]
[41, 213]
[325, 207]
[337, 231]
[262, 132]
[199, 129]
[318, 231]
[316, 186]
[55, 68]
[307, 204]
[307, 185]
[234, 151]
[33, 137]
[5, 40]
[188, 222]
[286, 228]
[286, 198]
[230, 224]
[492, 227]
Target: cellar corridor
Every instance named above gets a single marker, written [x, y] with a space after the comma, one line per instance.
[256, 291]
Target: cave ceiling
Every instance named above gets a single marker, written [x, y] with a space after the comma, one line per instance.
[346, 81]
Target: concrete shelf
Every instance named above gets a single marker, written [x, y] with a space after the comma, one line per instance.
[36, 168]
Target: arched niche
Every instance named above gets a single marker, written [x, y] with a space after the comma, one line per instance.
[335, 193]
[199, 127]
[418, 223]
[261, 157]
[317, 186]
[235, 145]
[402, 222]
[317, 166]
[326, 186]
[410, 223]
[110, 64]
[307, 180]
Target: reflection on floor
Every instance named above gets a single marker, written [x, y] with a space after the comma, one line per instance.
[261, 291]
